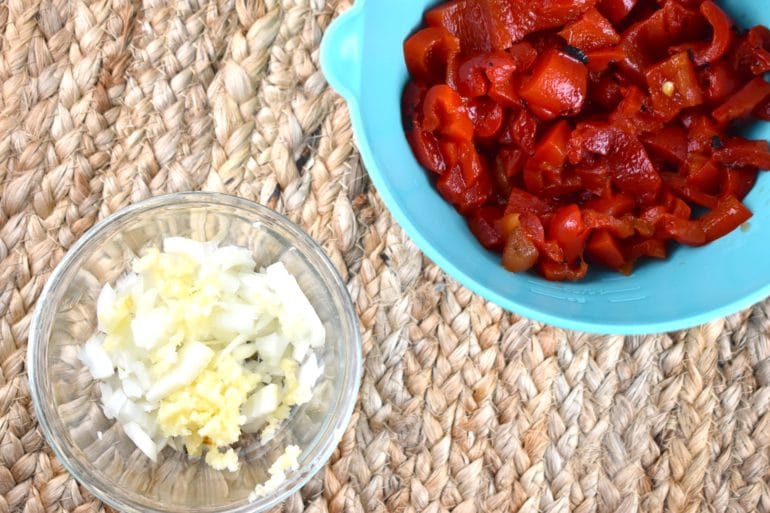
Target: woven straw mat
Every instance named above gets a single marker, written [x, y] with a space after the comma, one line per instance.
[463, 407]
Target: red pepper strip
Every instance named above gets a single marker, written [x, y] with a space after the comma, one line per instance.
[744, 101]
[670, 143]
[548, 159]
[616, 10]
[740, 152]
[557, 86]
[674, 86]
[444, 112]
[738, 182]
[614, 206]
[592, 31]
[720, 81]
[427, 53]
[487, 117]
[603, 248]
[523, 202]
[728, 215]
[684, 231]
[567, 229]
[482, 224]
[706, 177]
[453, 188]
[476, 73]
[559, 271]
[686, 191]
[600, 60]
[722, 30]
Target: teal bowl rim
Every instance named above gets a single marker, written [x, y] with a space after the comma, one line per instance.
[328, 55]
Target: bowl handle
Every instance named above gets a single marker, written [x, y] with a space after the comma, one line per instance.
[341, 50]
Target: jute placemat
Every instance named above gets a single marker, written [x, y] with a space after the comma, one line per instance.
[463, 407]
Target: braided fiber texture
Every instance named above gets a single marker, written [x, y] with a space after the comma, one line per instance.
[463, 407]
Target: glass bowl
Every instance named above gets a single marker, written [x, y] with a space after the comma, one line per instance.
[95, 450]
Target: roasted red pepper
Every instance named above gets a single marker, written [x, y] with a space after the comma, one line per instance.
[674, 86]
[574, 130]
[444, 113]
[567, 229]
[740, 152]
[722, 39]
[726, 216]
[592, 31]
[544, 166]
[427, 53]
[557, 86]
[605, 249]
[743, 102]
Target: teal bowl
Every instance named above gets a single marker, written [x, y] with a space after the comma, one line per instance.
[361, 56]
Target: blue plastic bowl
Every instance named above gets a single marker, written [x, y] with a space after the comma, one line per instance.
[362, 58]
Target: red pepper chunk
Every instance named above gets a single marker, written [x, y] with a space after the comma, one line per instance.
[444, 113]
[752, 55]
[487, 117]
[600, 60]
[575, 131]
[557, 86]
[602, 247]
[482, 225]
[670, 143]
[744, 101]
[674, 85]
[548, 159]
[722, 38]
[737, 182]
[567, 229]
[592, 31]
[740, 152]
[427, 53]
[728, 215]
[458, 192]
[490, 73]
[720, 80]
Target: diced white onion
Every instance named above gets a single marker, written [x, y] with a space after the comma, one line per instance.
[196, 314]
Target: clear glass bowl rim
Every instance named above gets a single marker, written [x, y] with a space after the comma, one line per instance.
[350, 381]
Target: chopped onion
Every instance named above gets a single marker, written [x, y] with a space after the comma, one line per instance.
[93, 356]
[194, 332]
